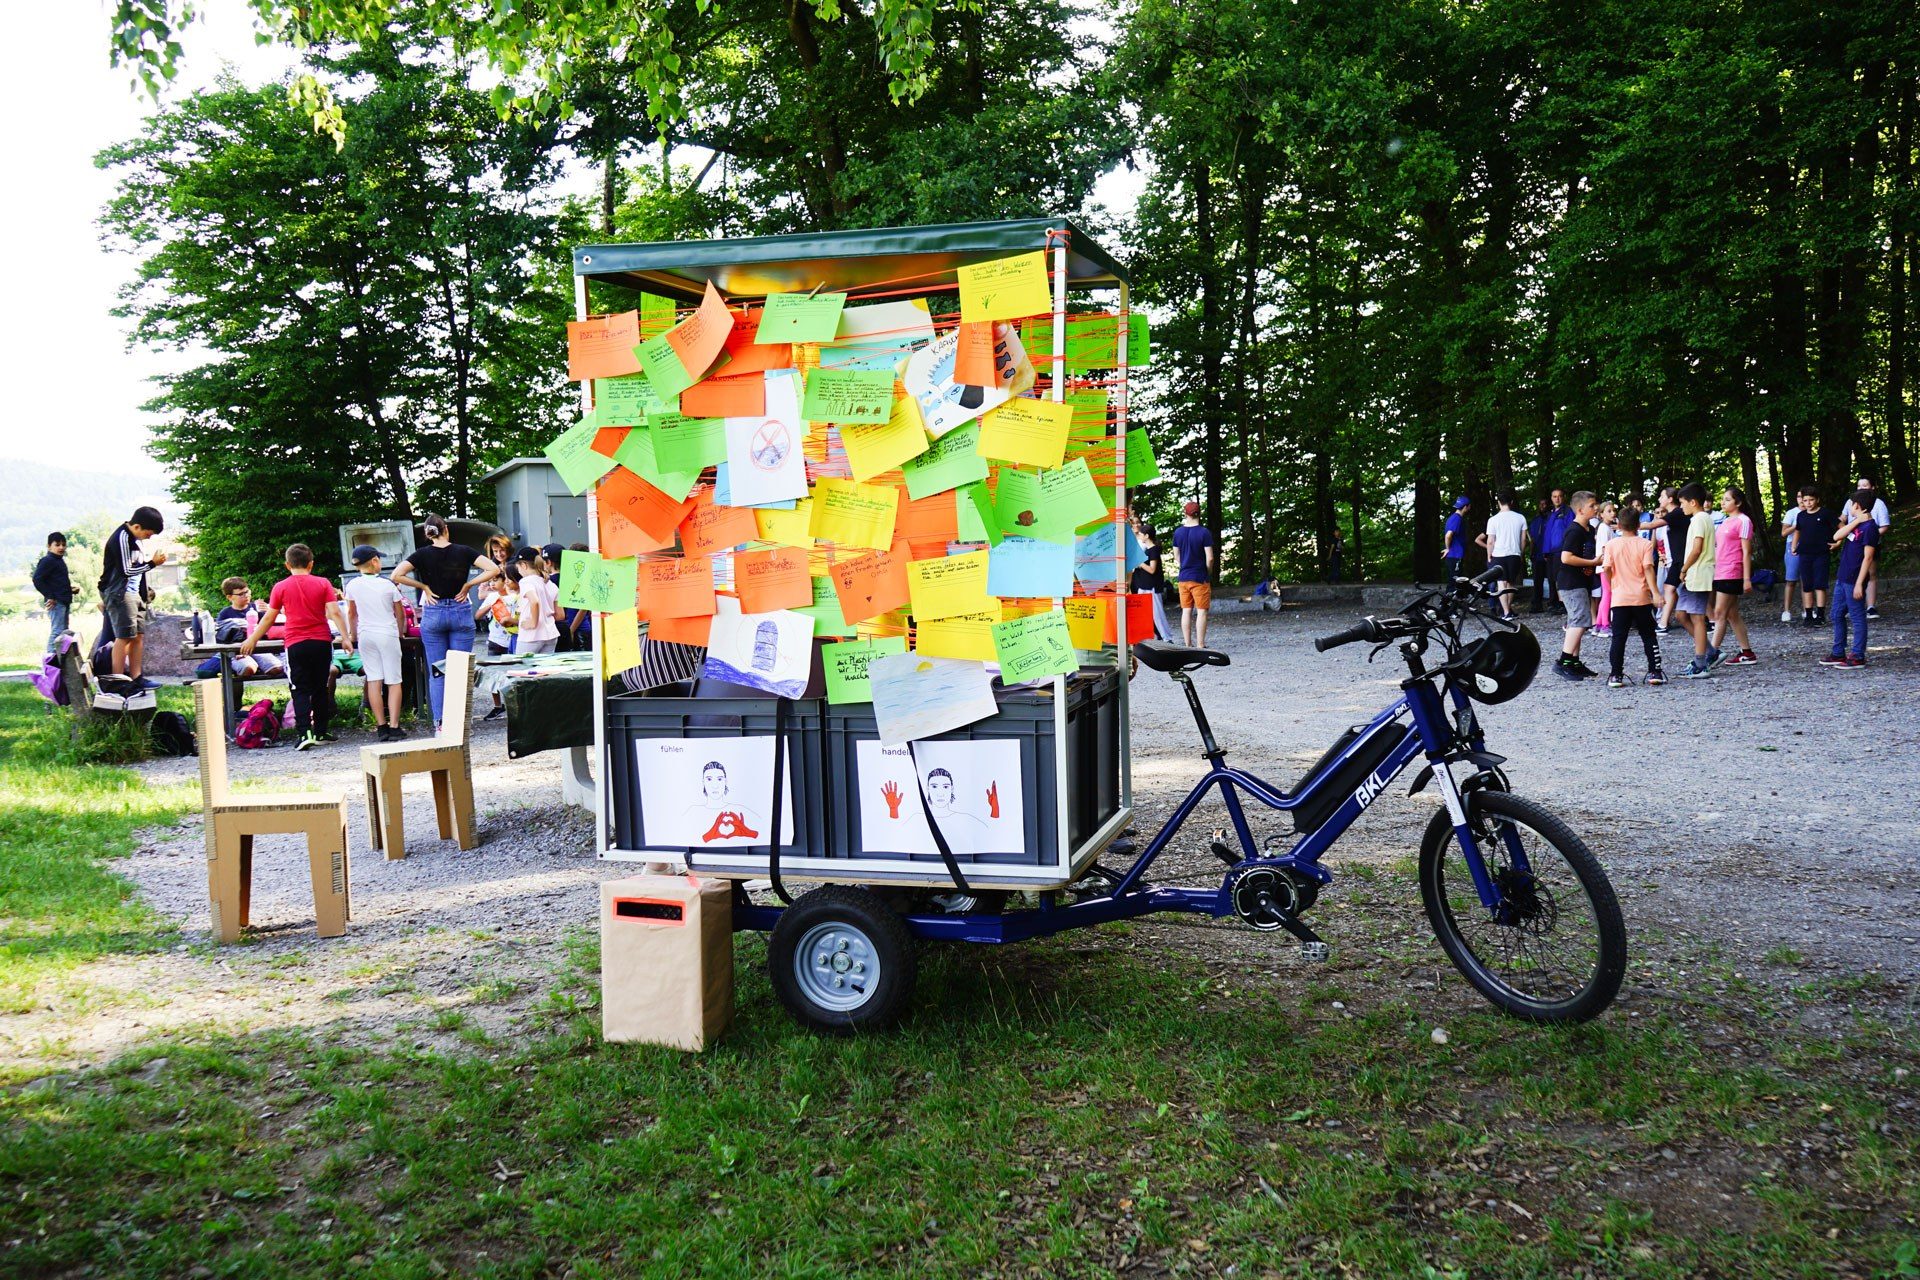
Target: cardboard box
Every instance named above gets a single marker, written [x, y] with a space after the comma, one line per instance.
[666, 960]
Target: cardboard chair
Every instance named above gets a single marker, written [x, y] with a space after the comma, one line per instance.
[448, 758]
[232, 821]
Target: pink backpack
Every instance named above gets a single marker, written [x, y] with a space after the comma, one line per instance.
[260, 727]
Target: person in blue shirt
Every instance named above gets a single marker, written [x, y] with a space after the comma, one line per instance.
[1553, 531]
[1453, 543]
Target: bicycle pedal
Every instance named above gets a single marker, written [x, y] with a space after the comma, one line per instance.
[1225, 854]
[1318, 952]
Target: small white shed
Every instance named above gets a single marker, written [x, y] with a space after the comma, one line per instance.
[532, 504]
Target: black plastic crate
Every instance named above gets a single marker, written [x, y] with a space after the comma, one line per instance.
[658, 714]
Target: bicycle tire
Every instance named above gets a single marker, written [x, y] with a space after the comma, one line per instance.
[1609, 963]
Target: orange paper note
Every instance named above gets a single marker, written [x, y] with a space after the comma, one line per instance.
[641, 504]
[871, 584]
[727, 397]
[774, 579]
[608, 440]
[602, 346]
[973, 360]
[931, 519]
[747, 356]
[697, 340]
[692, 631]
[709, 528]
[676, 588]
[620, 536]
[1139, 618]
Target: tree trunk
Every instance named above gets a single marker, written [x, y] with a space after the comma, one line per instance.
[1785, 374]
[828, 205]
[1211, 347]
[1899, 453]
[1253, 195]
[609, 190]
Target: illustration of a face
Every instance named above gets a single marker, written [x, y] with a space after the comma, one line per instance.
[940, 789]
[713, 783]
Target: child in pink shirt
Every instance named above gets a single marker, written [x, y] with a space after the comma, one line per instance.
[1732, 578]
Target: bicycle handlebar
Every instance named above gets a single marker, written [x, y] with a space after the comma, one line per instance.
[1365, 629]
[1487, 575]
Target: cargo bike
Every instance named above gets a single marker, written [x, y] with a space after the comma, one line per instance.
[1515, 898]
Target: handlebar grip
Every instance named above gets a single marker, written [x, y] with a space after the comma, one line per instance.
[1365, 629]
[1487, 575]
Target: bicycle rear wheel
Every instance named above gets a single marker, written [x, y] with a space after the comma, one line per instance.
[1554, 948]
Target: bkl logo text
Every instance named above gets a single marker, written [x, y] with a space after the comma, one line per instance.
[1369, 789]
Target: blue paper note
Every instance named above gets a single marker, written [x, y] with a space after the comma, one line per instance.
[1093, 554]
[1030, 567]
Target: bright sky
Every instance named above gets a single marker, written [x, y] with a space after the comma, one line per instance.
[64, 354]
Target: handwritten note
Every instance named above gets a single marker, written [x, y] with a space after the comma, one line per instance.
[800, 317]
[624, 402]
[1070, 495]
[602, 346]
[636, 454]
[763, 451]
[854, 514]
[788, 528]
[1142, 466]
[1034, 647]
[878, 336]
[1005, 288]
[709, 527]
[1027, 567]
[879, 447]
[589, 582]
[661, 363]
[655, 513]
[915, 696]
[848, 395]
[681, 443]
[975, 513]
[825, 611]
[743, 355]
[948, 587]
[949, 462]
[1087, 622]
[1096, 556]
[967, 635]
[1032, 433]
[575, 459]
[772, 579]
[697, 340]
[675, 587]
[847, 663]
[729, 397]
[619, 642]
[870, 585]
[620, 536]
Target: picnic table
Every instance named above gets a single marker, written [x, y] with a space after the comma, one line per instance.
[549, 701]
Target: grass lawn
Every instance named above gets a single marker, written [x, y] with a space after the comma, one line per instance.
[1086, 1106]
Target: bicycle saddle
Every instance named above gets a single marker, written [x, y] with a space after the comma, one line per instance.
[1162, 656]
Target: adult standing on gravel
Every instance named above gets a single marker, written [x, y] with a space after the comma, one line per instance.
[439, 572]
[1553, 530]
[1453, 540]
[1506, 544]
[1193, 562]
[55, 585]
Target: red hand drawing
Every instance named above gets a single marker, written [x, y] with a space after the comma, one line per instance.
[891, 794]
[729, 825]
[993, 800]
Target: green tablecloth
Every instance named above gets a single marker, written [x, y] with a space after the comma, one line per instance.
[549, 707]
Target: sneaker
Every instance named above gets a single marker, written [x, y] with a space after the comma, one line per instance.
[395, 733]
[1873, 615]
[383, 732]
[1834, 660]
[1584, 671]
[1808, 619]
[1616, 682]
[1603, 633]
[495, 713]
[326, 737]
[309, 742]
[1744, 658]
[1715, 657]
[1696, 670]
[1656, 678]
[1663, 630]
[1786, 615]
[1567, 672]
[1854, 664]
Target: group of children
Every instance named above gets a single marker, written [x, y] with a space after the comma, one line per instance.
[1645, 569]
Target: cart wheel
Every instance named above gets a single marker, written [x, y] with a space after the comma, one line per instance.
[841, 960]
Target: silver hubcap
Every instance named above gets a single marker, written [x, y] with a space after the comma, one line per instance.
[836, 966]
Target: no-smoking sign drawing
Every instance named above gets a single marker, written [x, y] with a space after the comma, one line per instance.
[771, 444]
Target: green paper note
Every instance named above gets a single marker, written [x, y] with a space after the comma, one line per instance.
[681, 443]
[973, 509]
[573, 456]
[1069, 496]
[1142, 466]
[1092, 342]
[846, 666]
[624, 402]
[605, 586]
[656, 315]
[848, 395]
[949, 462]
[800, 317]
[636, 455]
[1047, 504]
[1035, 646]
[1139, 344]
[825, 610]
[661, 365]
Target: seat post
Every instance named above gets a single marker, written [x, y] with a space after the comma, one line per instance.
[1210, 748]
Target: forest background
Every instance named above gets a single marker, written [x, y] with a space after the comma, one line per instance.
[1393, 252]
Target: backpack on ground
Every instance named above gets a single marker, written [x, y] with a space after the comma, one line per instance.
[259, 727]
[172, 734]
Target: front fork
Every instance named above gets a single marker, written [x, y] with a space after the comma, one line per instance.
[1456, 801]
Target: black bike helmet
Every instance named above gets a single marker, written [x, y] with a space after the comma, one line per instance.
[1499, 665]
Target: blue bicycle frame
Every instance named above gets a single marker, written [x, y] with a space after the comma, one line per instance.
[1441, 740]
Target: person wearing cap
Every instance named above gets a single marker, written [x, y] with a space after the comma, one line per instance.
[1193, 556]
[375, 619]
[1453, 544]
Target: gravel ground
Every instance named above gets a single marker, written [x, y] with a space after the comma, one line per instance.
[1763, 809]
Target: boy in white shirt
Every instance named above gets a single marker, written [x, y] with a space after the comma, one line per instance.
[375, 619]
[1506, 541]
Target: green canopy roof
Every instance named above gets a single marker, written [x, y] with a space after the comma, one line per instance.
[881, 259]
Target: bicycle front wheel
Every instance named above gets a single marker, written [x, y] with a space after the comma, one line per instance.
[1553, 948]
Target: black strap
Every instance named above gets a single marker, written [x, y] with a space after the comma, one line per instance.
[939, 840]
[779, 798]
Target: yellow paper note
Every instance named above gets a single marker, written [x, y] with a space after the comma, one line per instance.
[619, 641]
[787, 528]
[949, 586]
[853, 514]
[968, 636]
[873, 448]
[1032, 433]
[1005, 288]
[1087, 623]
